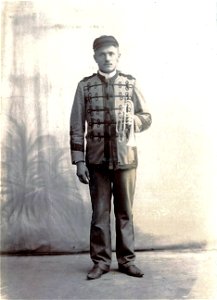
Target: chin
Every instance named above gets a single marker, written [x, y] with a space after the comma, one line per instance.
[108, 70]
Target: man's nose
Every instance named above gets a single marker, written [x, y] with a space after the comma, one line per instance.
[107, 57]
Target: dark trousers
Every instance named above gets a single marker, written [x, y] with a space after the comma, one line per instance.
[103, 184]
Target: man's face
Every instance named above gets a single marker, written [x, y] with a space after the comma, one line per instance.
[107, 58]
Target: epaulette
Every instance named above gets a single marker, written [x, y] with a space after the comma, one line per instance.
[127, 75]
[88, 77]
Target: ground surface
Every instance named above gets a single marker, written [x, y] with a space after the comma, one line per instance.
[168, 275]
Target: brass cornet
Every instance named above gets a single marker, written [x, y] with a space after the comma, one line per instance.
[125, 124]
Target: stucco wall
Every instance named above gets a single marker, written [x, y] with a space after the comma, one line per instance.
[46, 49]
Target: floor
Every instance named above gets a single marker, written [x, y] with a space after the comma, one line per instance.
[168, 275]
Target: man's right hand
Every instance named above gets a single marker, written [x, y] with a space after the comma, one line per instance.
[82, 172]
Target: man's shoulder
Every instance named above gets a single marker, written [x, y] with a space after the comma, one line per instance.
[89, 77]
[127, 76]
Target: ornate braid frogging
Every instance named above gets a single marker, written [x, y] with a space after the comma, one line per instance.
[97, 103]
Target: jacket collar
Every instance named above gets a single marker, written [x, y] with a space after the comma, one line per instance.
[106, 77]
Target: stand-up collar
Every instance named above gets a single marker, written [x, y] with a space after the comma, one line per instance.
[107, 76]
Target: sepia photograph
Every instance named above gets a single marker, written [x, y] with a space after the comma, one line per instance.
[108, 149]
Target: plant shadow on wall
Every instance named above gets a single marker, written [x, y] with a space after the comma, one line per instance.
[42, 209]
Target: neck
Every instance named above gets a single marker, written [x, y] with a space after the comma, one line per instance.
[108, 75]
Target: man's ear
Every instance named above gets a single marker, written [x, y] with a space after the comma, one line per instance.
[94, 56]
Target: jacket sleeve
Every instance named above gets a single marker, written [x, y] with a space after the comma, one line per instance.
[77, 126]
[142, 116]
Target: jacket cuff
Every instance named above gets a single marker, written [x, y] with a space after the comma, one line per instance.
[137, 124]
[77, 156]
[142, 122]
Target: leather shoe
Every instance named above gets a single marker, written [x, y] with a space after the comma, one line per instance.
[95, 273]
[131, 270]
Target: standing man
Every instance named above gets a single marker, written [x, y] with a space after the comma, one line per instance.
[108, 108]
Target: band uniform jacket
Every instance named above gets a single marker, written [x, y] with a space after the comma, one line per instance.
[95, 128]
